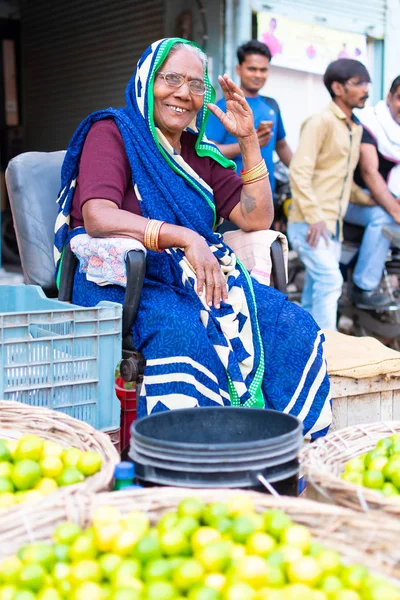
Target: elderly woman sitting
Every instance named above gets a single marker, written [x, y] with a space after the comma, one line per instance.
[211, 336]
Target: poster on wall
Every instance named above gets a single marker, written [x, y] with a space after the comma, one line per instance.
[307, 47]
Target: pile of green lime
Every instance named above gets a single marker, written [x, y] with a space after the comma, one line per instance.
[378, 469]
[220, 551]
[32, 467]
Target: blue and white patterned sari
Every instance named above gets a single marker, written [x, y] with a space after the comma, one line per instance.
[258, 349]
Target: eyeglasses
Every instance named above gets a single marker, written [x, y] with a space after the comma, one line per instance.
[361, 84]
[176, 80]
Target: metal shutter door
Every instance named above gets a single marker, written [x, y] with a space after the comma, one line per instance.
[78, 56]
[358, 16]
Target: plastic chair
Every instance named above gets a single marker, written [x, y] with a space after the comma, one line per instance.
[33, 183]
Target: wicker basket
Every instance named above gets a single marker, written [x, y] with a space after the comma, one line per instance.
[369, 540]
[19, 419]
[324, 461]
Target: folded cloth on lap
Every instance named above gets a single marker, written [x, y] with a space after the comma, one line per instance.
[103, 259]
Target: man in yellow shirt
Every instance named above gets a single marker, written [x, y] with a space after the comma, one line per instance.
[321, 175]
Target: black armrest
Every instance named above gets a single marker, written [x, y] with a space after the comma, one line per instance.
[278, 267]
[68, 268]
[135, 272]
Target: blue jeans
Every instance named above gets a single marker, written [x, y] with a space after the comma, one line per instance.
[374, 247]
[324, 281]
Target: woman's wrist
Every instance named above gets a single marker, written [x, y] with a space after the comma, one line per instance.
[175, 236]
[248, 141]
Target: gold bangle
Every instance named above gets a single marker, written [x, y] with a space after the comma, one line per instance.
[259, 169]
[262, 162]
[151, 234]
[255, 179]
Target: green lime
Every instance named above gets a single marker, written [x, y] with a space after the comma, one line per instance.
[388, 489]
[215, 557]
[61, 552]
[378, 463]
[188, 525]
[298, 536]
[84, 547]
[376, 453]
[10, 569]
[355, 477]
[329, 562]
[275, 523]
[5, 454]
[70, 456]
[70, 476]
[330, 584]
[60, 574]
[24, 595]
[161, 590]
[30, 447]
[7, 592]
[353, 576]
[204, 593]
[158, 570]
[26, 474]
[49, 593]
[51, 466]
[66, 533]
[32, 577]
[89, 590]
[260, 543]
[240, 591]
[188, 574]
[126, 594]
[89, 463]
[306, 570]
[191, 507]
[85, 570]
[6, 469]
[385, 443]
[169, 520]
[373, 479]
[148, 549]
[174, 543]
[40, 553]
[6, 485]
[109, 563]
[395, 449]
[128, 570]
[355, 464]
[244, 526]
[213, 512]
[392, 467]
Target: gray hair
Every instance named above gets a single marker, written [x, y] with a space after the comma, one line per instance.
[197, 51]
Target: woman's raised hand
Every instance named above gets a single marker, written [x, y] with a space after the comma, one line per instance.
[207, 270]
[238, 119]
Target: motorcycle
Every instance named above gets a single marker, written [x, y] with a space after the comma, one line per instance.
[382, 323]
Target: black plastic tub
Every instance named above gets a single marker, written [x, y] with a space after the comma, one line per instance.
[218, 447]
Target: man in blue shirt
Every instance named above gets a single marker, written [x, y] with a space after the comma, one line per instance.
[253, 66]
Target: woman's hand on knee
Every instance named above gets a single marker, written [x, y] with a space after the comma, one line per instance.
[207, 270]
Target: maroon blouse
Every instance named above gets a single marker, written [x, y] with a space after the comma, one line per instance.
[104, 172]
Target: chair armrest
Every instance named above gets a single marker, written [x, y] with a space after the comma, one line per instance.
[68, 268]
[278, 270]
[135, 272]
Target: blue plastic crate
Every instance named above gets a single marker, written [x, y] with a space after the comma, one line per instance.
[60, 355]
